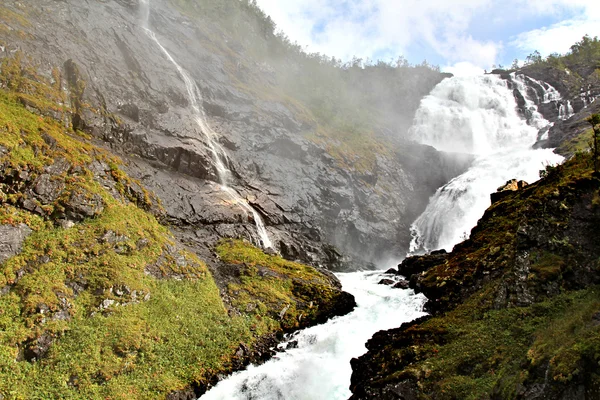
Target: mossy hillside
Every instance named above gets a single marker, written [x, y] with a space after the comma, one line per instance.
[107, 306]
[20, 77]
[474, 352]
[514, 306]
[15, 21]
[62, 276]
[277, 292]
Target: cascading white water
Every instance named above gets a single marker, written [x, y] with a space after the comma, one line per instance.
[319, 368]
[534, 118]
[477, 115]
[566, 111]
[219, 156]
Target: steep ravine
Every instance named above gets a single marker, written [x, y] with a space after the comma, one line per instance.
[124, 269]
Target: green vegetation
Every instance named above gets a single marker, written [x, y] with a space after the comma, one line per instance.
[594, 120]
[275, 291]
[479, 351]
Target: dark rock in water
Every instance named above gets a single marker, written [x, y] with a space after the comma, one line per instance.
[292, 344]
[403, 284]
[11, 240]
[386, 282]
[505, 190]
[418, 264]
[391, 271]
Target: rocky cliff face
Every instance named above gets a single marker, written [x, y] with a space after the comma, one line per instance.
[514, 309]
[97, 298]
[124, 91]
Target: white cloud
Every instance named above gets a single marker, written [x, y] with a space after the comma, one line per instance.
[371, 28]
[345, 28]
[558, 37]
[463, 69]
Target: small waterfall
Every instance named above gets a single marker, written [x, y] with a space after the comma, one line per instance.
[219, 156]
[549, 92]
[565, 111]
[477, 115]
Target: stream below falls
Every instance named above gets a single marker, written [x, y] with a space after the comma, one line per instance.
[319, 366]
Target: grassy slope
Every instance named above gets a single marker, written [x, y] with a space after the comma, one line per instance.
[158, 332]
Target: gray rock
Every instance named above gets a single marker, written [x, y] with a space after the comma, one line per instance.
[402, 284]
[83, 205]
[11, 240]
[37, 348]
[106, 303]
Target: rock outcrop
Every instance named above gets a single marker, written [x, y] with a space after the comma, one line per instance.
[504, 190]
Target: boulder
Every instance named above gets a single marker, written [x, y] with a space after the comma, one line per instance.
[509, 187]
[403, 284]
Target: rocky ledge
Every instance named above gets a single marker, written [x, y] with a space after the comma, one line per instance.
[514, 310]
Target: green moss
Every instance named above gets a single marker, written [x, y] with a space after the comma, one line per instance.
[503, 348]
[547, 266]
[276, 292]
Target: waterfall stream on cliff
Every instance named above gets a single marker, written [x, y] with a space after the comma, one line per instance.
[319, 367]
[219, 156]
[477, 115]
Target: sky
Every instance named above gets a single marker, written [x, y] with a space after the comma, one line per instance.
[461, 36]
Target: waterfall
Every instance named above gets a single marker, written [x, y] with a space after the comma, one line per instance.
[477, 115]
[219, 156]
